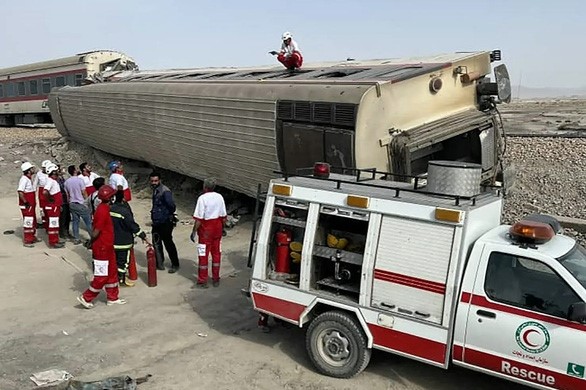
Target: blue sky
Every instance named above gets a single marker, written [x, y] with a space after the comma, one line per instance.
[541, 40]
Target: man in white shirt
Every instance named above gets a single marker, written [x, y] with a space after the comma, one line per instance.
[27, 203]
[210, 216]
[117, 179]
[88, 177]
[290, 56]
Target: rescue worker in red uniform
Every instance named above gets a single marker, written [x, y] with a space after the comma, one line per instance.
[39, 183]
[104, 257]
[125, 229]
[210, 216]
[27, 203]
[117, 179]
[53, 202]
[289, 55]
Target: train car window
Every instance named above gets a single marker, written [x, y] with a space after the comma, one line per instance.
[59, 81]
[78, 80]
[10, 89]
[34, 87]
[21, 89]
[1, 91]
[46, 86]
[70, 80]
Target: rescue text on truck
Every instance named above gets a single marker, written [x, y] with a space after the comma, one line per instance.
[424, 270]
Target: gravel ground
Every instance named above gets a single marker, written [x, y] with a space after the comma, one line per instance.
[550, 178]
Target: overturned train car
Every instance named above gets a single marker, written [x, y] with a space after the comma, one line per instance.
[241, 125]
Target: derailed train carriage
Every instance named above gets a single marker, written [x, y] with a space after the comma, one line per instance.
[242, 124]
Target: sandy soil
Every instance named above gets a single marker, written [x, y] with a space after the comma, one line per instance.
[185, 338]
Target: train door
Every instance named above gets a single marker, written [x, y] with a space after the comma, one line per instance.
[308, 132]
[303, 145]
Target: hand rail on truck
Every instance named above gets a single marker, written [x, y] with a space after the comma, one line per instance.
[361, 181]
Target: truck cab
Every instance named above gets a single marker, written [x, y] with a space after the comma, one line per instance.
[521, 311]
[424, 270]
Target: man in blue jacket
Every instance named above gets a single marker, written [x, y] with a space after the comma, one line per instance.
[164, 220]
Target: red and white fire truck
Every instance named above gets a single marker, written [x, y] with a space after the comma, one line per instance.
[424, 272]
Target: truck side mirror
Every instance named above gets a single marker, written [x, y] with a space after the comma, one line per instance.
[577, 312]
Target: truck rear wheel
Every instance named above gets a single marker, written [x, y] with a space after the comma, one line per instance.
[336, 345]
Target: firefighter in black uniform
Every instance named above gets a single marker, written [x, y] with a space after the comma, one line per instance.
[125, 229]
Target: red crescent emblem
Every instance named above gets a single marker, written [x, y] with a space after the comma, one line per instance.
[526, 336]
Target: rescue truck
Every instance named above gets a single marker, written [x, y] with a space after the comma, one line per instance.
[422, 269]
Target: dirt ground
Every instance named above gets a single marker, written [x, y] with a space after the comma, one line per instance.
[185, 338]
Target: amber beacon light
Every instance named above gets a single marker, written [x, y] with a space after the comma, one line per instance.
[531, 231]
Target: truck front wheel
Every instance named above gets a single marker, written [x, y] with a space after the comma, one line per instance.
[336, 345]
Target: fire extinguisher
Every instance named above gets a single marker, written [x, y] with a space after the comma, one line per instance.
[151, 266]
[132, 272]
[283, 238]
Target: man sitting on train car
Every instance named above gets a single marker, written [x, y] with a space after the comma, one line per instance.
[290, 56]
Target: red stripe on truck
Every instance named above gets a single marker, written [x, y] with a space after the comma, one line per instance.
[458, 353]
[280, 307]
[408, 343]
[481, 301]
[522, 371]
[410, 281]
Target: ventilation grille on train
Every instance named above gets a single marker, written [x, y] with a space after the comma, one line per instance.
[317, 112]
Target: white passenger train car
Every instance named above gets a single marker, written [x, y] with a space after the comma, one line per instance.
[24, 89]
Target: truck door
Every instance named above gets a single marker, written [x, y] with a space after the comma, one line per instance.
[516, 324]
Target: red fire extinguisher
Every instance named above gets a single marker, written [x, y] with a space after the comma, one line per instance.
[151, 266]
[283, 238]
[132, 272]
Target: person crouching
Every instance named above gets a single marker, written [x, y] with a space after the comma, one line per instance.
[125, 229]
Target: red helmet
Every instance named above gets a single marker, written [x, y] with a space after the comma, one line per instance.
[106, 192]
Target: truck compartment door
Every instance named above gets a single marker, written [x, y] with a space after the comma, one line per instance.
[409, 286]
[410, 274]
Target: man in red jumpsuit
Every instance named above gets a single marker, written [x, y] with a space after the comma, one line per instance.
[39, 183]
[27, 203]
[289, 55]
[209, 215]
[104, 257]
[53, 202]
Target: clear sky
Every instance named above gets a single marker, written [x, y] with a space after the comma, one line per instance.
[542, 40]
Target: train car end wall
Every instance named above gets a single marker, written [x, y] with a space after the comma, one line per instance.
[403, 105]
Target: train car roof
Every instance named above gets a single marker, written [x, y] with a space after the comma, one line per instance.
[388, 70]
[79, 58]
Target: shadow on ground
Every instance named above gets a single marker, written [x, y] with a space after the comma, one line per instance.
[236, 318]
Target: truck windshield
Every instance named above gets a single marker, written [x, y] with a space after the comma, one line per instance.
[575, 262]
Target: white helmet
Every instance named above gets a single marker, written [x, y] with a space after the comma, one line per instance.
[45, 163]
[51, 168]
[26, 166]
[287, 35]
